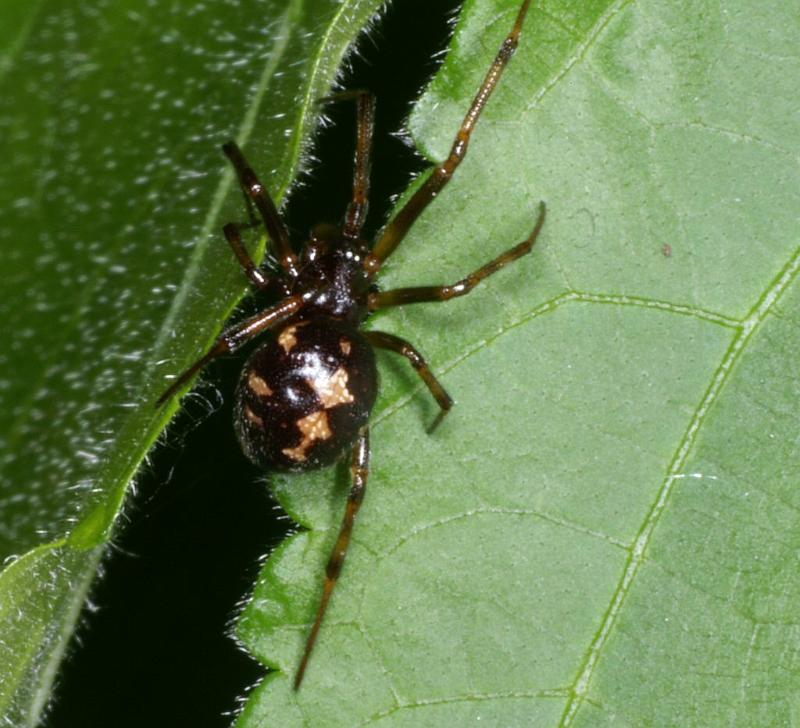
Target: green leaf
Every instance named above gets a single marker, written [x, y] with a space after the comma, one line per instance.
[605, 530]
[113, 190]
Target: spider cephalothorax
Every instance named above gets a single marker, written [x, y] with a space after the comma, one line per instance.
[305, 395]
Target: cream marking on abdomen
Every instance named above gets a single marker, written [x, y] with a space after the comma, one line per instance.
[313, 427]
[287, 338]
[258, 385]
[332, 391]
[253, 417]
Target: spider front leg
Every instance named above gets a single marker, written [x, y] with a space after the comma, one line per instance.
[255, 191]
[397, 228]
[254, 274]
[400, 346]
[234, 337]
[276, 285]
[365, 128]
[359, 468]
[424, 294]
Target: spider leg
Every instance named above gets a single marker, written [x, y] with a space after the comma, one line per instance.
[234, 337]
[397, 228]
[365, 128]
[254, 274]
[253, 221]
[359, 468]
[423, 294]
[255, 191]
[400, 346]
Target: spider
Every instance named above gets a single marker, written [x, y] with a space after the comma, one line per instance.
[305, 395]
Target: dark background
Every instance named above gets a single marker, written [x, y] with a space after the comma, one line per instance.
[155, 648]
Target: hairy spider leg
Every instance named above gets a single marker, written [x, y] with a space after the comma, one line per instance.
[276, 229]
[400, 346]
[399, 225]
[235, 337]
[425, 294]
[359, 469]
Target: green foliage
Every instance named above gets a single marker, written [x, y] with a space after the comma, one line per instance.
[113, 190]
[605, 530]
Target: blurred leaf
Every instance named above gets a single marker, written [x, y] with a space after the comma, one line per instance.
[605, 530]
[113, 191]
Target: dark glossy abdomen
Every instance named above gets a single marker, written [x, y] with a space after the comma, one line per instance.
[304, 395]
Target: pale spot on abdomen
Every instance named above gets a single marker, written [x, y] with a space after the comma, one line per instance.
[313, 427]
[258, 385]
[253, 417]
[287, 338]
[333, 390]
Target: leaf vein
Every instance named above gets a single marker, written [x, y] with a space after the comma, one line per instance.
[581, 51]
[751, 323]
[471, 698]
[549, 306]
[555, 520]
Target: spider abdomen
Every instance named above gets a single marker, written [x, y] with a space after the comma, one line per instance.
[304, 395]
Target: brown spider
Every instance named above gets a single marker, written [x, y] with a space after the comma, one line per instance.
[305, 395]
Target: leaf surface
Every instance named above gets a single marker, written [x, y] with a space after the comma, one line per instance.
[605, 530]
[114, 272]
